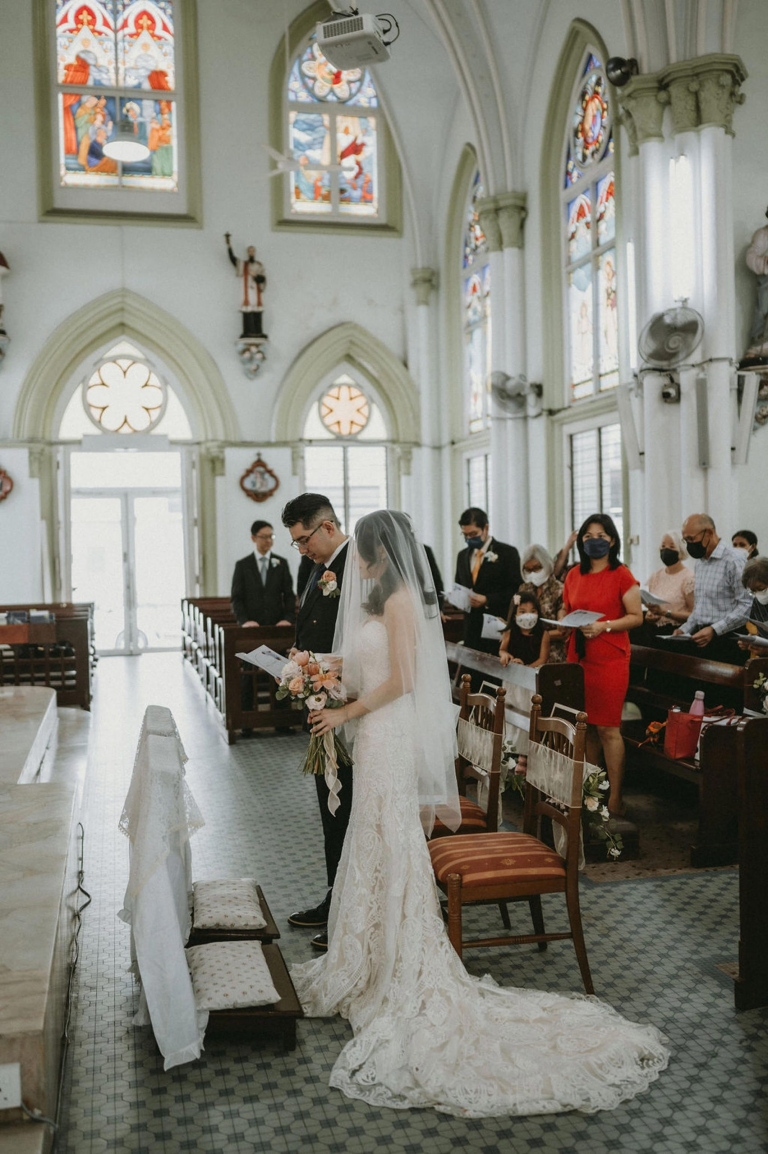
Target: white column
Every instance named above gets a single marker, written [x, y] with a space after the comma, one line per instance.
[716, 236]
[424, 485]
[517, 477]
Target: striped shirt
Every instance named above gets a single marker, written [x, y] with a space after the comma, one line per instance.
[720, 599]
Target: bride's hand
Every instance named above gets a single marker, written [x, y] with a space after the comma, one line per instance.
[324, 720]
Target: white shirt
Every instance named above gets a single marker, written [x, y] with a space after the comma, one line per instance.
[335, 554]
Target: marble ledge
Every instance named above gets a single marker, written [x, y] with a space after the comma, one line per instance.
[24, 1138]
[28, 721]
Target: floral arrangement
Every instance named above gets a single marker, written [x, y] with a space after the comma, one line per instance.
[328, 585]
[761, 685]
[594, 810]
[490, 556]
[307, 679]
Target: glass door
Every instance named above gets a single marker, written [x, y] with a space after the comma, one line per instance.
[157, 527]
[99, 549]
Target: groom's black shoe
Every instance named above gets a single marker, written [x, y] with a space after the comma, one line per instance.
[320, 941]
[317, 916]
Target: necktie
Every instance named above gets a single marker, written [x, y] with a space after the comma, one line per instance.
[312, 581]
[263, 566]
[476, 564]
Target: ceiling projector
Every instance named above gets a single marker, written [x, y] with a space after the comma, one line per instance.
[349, 40]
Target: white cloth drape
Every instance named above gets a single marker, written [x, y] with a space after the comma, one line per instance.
[159, 817]
[553, 774]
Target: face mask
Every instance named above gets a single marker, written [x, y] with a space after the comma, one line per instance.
[761, 596]
[473, 542]
[696, 549]
[537, 578]
[596, 547]
[669, 556]
[744, 552]
[527, 620]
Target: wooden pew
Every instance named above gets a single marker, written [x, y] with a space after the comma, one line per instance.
[714, 775]
[558, 684]
[64, 663]
[231, 639]
[751, 982]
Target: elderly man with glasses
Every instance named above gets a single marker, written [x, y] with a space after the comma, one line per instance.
[316, 533]
[721, 604]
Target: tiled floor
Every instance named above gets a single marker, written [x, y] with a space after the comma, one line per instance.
[654, 945]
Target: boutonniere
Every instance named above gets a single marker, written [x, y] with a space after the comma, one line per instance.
[275, 562]
[491, 556]
[328, 584]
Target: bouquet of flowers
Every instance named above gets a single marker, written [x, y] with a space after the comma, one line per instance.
[307, 679]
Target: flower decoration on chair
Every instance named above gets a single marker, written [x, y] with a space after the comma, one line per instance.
[761, 685]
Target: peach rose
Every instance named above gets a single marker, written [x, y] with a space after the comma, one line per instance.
[302, 657]
[313, 669]
[329, 575]
[296, 685]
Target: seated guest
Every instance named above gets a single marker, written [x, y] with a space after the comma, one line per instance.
[539, 579]
[674, 584]
[721, 603]
[491, 570]
[262, 587]
[746, 541]
[755, 579]
[525, 641]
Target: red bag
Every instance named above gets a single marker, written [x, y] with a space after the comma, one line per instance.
[681, 736]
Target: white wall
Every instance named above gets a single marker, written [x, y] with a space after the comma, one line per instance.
[20, 557]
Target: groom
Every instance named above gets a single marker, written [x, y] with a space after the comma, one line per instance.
[316, 534]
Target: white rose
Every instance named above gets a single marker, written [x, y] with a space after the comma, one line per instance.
[317, 701]
[291, 670]
[614, 852]
[604, 812]
[337, 693]
[591, 803]
[604, 785]
[330, 586]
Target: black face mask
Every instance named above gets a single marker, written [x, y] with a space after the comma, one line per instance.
[597, 547]
[669, 556]
[473, 542]
[696, 549]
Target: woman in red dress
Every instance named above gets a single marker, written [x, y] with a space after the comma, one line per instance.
[601, 583]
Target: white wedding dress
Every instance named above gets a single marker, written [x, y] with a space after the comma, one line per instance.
[426, 1032]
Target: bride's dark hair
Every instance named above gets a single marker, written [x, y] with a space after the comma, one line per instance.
[393, 532]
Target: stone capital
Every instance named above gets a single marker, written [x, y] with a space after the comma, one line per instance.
[511, 212]
[423, 280]
[489, 223]
[213, 455]
[704, 91]
[642, 104]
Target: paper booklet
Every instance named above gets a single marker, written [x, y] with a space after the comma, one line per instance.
[493, 627]
[266, 659]
[574, 620]
[458, 596]
[754, 639]
[673, 637]
[649, 598]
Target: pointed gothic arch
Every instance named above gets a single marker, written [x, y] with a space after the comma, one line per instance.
[117, 314]
[348, 343]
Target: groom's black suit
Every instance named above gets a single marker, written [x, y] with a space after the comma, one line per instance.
[315, 626]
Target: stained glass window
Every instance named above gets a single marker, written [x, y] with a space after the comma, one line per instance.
[589, 211]
[333, 134]
[476, 306]
[116, 61]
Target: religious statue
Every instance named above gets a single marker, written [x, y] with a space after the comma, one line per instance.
[757, 262]
[250, 273]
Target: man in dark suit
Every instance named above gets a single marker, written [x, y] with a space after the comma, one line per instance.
[262, 586]
[316, 533]
[491, 570]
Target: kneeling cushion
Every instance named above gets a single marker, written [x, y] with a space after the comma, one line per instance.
[228, 904]
[230, 976]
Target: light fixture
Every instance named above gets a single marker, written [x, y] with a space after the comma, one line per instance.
[125, 146]
[620, 71]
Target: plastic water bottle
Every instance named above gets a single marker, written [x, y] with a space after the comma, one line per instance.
[697, 705]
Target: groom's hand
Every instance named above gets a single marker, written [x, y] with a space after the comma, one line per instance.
[477, 600]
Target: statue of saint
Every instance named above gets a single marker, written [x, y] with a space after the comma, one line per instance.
[250, 273]
[757, 261]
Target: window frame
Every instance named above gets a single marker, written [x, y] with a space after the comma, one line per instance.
[389, 221]
[589, 424]
[118, 204]
[478, 264]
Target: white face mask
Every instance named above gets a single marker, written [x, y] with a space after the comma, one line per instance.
[744, 552]
[761, 596]
[536, 578]
[527, 620]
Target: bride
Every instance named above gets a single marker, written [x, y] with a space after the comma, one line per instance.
[426, 1032]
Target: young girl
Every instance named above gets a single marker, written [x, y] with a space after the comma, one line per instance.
[525, 641]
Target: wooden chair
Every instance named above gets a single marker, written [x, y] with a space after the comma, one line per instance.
[480, 735]
[501, 867]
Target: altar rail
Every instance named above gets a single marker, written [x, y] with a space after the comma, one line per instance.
[64, 663]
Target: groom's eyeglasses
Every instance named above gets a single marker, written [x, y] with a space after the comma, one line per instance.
[302, 542]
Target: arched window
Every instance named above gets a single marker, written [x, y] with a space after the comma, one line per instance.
[124, 394]
[476, 314]
[345, 449]
[588, 196]
[332, 136]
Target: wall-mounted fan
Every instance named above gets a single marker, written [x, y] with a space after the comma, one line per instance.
[667, 341]
[511, 393]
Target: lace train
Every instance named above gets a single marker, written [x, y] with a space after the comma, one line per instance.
[426, 1032]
